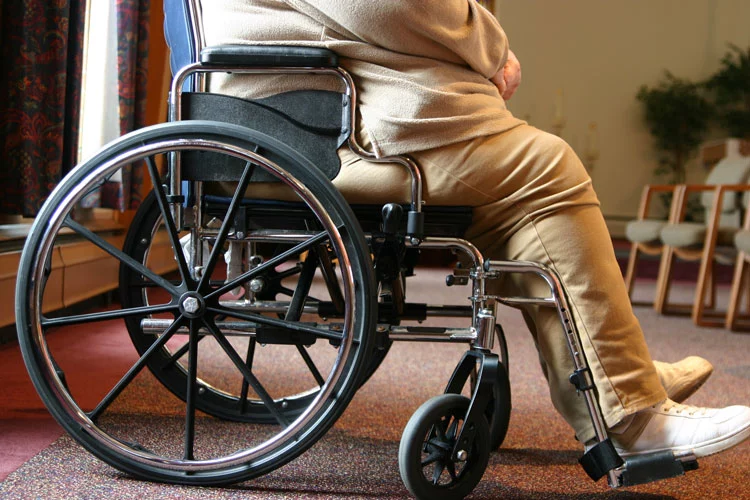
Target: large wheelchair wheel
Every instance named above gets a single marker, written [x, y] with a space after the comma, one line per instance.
[278, 378]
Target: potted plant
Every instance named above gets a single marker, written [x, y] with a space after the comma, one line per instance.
[730, 87]
[678, 116]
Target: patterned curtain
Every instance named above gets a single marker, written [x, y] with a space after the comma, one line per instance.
[132, 60]
[42, 52]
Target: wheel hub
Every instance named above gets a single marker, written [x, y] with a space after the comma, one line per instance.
[192, 305]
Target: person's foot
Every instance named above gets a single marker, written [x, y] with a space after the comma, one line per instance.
[684, 377]
[681, 428]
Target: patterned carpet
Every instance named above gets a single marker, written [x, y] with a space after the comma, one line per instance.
[358, 458]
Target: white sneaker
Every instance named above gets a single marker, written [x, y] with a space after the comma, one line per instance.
[683, 378]
[682, 428]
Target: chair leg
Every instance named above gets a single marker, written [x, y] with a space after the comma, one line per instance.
[735, 295]
[663, 280]
[631, 268]
[705, 296]
[712, 301]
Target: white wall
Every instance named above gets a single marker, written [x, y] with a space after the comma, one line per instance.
[599, 52]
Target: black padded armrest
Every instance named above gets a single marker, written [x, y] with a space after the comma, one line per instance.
[269, 56]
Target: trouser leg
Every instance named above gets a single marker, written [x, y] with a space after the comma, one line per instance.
[610, 334]
[533, 201]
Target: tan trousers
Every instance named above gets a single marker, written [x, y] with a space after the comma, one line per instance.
[533, 200]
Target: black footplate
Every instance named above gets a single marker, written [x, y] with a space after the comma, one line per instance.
[642, 469]
[638, 469]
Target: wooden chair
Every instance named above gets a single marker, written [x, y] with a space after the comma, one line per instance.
[720, 246]
[708, 242]
[733, 319]
[644, 233]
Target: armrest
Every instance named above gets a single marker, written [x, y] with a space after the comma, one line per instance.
[276, 56]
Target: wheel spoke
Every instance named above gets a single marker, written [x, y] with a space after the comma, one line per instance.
[439, 431]
[249, 358]
[226, 223]
[191, 391]
[269, 264]
[450, 434]
[278, 323]
[166, 215]
[176, 355]
[135, 369]
[107, 315]
[452, 470]
[287, 272]
[437, 472]
[329, 277]
[311, 365]
[297, 304]
[121, 256]
[432, 458]
[141, 283]
[247, 374]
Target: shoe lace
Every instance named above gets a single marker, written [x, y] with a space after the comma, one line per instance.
[678, 408]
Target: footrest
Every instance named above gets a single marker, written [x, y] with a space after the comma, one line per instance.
[642, 469]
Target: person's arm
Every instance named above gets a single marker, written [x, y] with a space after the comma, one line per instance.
[456, 31]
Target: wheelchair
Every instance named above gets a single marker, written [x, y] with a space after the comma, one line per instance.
[266, 314]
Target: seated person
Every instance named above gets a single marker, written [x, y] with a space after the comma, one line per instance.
[433, 78]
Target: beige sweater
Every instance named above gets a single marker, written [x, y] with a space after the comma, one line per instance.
[421, 67]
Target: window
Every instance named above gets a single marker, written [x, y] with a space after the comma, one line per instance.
[99, 102]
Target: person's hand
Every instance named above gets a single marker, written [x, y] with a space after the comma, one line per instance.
[508, 78]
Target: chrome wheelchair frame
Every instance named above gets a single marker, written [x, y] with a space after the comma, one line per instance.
[363, 272]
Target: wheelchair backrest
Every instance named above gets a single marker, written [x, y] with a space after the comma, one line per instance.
[315, 123]
[182, 33]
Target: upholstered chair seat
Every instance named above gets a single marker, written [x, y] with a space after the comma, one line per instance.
[693, 234]
[644, 231]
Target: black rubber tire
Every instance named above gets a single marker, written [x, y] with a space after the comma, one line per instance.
[131, 458]
[445, 413]
[499, 409]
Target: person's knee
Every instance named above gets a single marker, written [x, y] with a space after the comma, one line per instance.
[555, 151]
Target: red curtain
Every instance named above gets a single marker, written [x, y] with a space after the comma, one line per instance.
[40, 81]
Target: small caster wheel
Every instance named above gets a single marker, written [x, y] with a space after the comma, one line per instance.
[424, 456]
